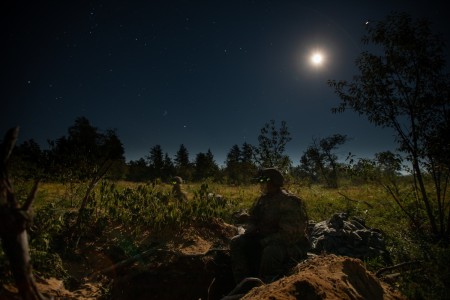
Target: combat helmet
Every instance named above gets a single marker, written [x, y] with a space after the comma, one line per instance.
[177, 180]
[272, 175]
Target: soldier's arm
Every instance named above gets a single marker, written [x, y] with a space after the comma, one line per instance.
[252, 219]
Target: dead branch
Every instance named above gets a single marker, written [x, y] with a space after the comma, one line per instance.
[31, 197]
[13, 223]
[402, 265]
[106, 165]
[356, 201]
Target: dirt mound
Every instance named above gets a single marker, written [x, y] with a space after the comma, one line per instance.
[193, 264]
[54, 288]
[197, 237]
[326, 277]
[172, 276]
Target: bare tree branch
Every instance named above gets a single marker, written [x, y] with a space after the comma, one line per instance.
[13, 223]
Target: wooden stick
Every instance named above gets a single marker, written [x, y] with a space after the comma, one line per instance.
[352, 200]
[397, 266]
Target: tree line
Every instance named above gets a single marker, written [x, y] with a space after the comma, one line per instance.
[86, 152]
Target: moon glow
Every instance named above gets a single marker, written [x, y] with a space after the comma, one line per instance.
[316, 59]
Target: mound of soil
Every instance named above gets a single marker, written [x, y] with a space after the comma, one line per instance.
[327, 277]
[54, 288]
[172, 276]
[193, 264]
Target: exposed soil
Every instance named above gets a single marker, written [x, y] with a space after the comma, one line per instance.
[327, 277]
[194, 263]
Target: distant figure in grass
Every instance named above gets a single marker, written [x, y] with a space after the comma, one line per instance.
[218, 199]
[275, 234]
[177, 190]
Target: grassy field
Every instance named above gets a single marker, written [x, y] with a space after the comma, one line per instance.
[369, 202]
[147, 205]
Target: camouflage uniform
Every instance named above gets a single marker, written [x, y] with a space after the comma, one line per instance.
[276, 235]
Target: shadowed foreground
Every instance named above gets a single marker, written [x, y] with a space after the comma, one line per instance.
[194, 263]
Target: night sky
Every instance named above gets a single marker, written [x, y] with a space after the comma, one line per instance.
[206, 74]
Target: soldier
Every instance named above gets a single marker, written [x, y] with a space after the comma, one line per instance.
[275, 234]
[177, 191]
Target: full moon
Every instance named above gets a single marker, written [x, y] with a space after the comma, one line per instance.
[317, 59]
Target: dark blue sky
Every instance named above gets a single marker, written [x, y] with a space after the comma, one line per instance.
[208, 74]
